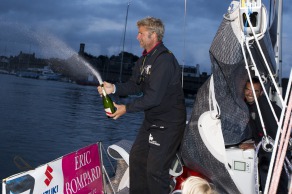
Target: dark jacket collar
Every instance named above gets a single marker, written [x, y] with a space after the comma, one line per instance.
[145, 53]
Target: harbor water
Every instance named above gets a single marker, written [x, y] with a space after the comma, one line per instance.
[42, 120]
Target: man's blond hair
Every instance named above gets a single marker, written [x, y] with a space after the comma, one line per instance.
[153, 25]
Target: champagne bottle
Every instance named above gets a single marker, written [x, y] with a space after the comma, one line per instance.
[107, 102]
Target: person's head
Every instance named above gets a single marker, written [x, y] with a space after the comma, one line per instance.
[151, 31]
[248, 94]
[197, 185]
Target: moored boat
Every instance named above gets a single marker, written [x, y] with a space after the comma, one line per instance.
[218, 122]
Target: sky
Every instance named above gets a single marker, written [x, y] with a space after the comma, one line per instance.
[56, 28]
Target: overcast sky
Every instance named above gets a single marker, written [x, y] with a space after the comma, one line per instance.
[57, 27]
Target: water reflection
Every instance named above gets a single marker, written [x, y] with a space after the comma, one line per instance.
[43, 120]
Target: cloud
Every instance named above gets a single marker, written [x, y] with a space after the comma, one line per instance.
[100, 25]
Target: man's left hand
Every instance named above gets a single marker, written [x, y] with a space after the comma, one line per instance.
[120, 110]
[246, 146]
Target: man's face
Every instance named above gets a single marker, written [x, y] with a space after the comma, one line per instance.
[146, 38]
[249, 96]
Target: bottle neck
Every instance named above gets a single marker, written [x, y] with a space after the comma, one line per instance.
[103, 91]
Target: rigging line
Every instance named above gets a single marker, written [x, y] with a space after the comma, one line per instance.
[109, 180]
[105, 152]
[264, 89]
[284, 127]
[184, 48]
[256, 100]
[104, 171]
[249, 75]
[282, 153]
[275, 147]
[255, 37]
[255, 166]
[257, 72]
[252, 87]
[125, 29]
[278, 134]
[265, 60]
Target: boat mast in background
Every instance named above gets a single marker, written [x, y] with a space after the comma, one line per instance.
[122, 59]
[184, 51]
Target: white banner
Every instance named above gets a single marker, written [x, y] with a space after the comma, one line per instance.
[75, 173]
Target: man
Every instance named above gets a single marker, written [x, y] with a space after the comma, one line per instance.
[271, 127]
[157, 75]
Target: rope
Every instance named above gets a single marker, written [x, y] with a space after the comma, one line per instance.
[289, 165]
[213, 100]
[278, 135]
[266, 63]
[282, 150]
[286, 165]
[257, 73]
[105, 152]
[253, 90]
[256, 101]
[255, 69]
[256, 175]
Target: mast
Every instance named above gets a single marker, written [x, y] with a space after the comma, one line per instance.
[278, 47]
[122, 59]
[184, 34]
[278, 58]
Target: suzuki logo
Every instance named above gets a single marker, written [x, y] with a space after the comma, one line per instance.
[48, 175]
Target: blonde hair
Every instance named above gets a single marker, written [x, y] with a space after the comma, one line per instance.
[197, 185]
[153, 25]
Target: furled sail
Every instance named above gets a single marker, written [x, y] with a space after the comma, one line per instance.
[235, 48]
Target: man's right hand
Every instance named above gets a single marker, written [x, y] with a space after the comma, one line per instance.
[108, 87]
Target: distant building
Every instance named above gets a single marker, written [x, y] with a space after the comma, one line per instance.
[191, 71]
[4, 62]
[23, 61]
[109, 68]
[81, 49]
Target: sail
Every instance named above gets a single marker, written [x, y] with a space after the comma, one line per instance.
[229, 52]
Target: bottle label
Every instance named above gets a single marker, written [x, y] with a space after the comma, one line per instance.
[108, 110]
